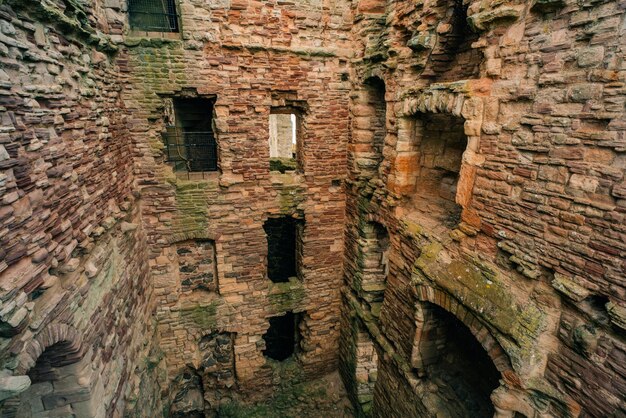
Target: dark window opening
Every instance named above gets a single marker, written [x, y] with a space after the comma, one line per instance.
[375, 88]
[440, 142]
[284, 139]
[454, 359]
[282, 336]
[283, 248]
[189, 138]
[153, 15]
[595, 307]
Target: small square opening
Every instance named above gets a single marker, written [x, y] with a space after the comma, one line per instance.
[282, 337]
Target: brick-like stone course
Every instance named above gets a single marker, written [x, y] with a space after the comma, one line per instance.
[154, 281]
[73, 265]
[539, 188]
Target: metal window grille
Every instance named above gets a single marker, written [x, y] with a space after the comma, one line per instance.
[190, 150]
[153, 15]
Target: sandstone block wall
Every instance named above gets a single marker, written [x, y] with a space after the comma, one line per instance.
[252, 58]
[534, 265]
[461, 164]
[73, 261]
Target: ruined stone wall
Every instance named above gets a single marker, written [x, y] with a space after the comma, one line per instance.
[250, 57]
[534, 265]
[73, 264]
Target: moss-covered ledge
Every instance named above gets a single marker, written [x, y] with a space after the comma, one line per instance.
[287, 296]
[516, 320]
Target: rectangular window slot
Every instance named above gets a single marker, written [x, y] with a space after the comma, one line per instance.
[153, 15]
[283, 243]
[282, 337]
[284, 139]
[190, 143]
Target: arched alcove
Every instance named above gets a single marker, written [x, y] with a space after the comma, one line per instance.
[61, 385]
[448, 354]
[369, 111]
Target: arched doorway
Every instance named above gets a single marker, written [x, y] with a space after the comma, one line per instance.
[449, 356]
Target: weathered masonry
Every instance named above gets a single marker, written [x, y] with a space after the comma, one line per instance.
[346, 208]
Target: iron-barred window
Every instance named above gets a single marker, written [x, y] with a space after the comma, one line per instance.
[153, 15]
[190, 151]
[189, 138]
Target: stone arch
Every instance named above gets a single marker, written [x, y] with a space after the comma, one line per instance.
[369, 124]
[54, 333]
[62, 381]
[454, 350]
[494, 350]
[436, 155]
[190, 235]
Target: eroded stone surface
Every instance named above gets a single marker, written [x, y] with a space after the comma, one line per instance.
[459, 164]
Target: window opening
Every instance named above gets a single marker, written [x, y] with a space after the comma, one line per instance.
[282, 336]
[283, 244]
[189, 137]
[284, 139]
[153, 15]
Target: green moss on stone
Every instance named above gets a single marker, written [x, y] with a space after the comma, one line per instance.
[520, 323]
[288, 296]
[202, 316]
[283, 164]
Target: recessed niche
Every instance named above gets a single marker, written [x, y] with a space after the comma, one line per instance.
[439, 142]
[282, 337]
[283, 244]
[375, 88]
[453, 357]
[61, 381]
[454, 58]
[369, 127]
[374, 243]
[197, 265]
